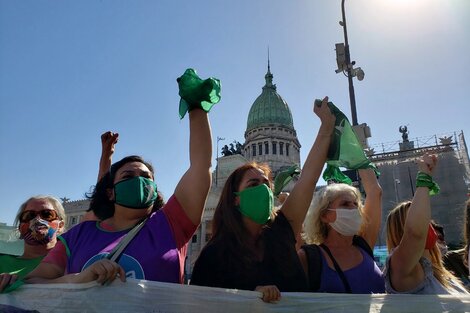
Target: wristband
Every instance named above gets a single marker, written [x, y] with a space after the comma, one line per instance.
[425, 180]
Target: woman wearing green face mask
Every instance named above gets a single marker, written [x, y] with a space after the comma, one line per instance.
[252, 247]
[124, 196]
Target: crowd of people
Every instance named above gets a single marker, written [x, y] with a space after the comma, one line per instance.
[319, 241]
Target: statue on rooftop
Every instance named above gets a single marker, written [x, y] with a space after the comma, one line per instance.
[226, 151]
[238, 147]
[232, 149]
[404, 133]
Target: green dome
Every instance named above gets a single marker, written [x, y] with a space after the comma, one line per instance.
[269, 108]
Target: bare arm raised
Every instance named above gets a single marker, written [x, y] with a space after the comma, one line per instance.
[296, 205]
[193, 187]
[372, 209]
[108, 140]
[406, 271]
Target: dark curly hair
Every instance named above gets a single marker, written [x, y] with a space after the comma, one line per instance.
[100, 203]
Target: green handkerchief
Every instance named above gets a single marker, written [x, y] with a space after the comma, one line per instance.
[197, 93]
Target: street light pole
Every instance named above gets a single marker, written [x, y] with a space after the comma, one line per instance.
[352, 97]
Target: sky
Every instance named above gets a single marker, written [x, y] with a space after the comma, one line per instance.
[71, 70]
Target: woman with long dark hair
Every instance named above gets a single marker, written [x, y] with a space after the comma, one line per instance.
[253, 247]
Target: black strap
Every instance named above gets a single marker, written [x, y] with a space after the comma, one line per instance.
[314, 265]
[338, 269]
[360, 242]
[314, 261]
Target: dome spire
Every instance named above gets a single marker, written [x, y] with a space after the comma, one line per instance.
[269, 67]
[269, 77]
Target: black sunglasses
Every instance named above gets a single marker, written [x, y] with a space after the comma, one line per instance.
[48, 215]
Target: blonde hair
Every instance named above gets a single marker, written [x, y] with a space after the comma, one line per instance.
[395, 228]
[315, 230]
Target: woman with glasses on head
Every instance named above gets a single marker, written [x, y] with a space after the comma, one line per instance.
[39, 220]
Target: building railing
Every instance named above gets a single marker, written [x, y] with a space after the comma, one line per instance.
[416, 146]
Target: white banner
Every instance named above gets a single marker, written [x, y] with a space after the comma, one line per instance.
[155, 297]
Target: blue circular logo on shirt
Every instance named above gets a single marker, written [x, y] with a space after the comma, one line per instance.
[130, 265]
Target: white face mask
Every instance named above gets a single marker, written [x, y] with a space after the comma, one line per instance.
[348, 221]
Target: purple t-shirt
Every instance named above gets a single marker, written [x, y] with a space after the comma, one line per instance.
[364, 278]
[152, 254]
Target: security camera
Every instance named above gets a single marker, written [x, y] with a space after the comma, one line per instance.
[359, 73]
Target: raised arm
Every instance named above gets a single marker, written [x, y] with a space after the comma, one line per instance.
[296, 205]
[193, 187]
[404, 262]
[372, 209]
[108, 140]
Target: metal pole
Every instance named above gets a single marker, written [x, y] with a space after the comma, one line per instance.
[395, 183]
[217, 160]
[411, 182]
[352, 97]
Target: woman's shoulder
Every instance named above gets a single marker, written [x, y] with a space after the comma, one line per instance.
[210, 256]
[429, 284]
[279, 223]
[212, 248]
[87, 228]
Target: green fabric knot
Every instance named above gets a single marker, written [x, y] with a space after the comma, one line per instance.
[345, 150]
[425, 180]
[284, 177]
[197, 93]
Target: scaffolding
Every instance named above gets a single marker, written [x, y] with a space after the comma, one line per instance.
[398, 178]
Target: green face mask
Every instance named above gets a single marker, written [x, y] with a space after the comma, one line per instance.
[136, 192]
[256, 203]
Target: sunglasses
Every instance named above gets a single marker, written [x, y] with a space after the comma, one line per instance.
[48, 215]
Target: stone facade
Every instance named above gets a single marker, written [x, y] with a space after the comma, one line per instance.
[276, 145]
[75, 210]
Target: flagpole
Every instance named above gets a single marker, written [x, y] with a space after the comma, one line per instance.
[217, 160]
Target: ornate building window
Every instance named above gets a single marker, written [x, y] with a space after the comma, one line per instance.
[260, 148]
[287, 149]
[266, 147]
[253, 149]
[274, 147]
[281, 148]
